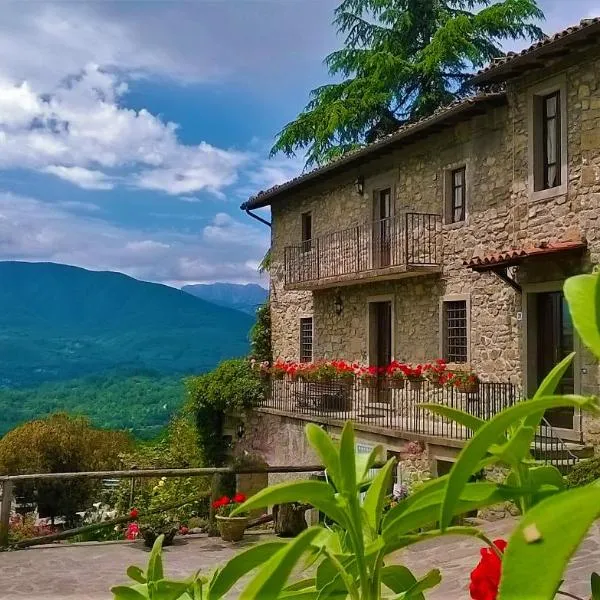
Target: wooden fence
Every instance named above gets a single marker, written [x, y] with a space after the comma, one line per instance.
[8, 482]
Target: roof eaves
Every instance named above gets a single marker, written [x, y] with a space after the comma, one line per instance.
[514, 63]
[264, 198]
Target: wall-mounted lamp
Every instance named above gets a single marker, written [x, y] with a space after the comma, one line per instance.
[240, 431]
[359, 185]
[338, 305]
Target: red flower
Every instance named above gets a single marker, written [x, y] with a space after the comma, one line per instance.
[133, 513]
[183, 530]
[485, 577]
[239, 498]
[222, 501]
[132, 531]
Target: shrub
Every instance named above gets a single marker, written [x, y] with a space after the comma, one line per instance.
[587, 471]
[232, 386]
[59, 444]
[260, 335]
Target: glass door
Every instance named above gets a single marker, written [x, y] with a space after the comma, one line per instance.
[382, 228]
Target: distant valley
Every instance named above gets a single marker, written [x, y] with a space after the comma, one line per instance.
[246, 298]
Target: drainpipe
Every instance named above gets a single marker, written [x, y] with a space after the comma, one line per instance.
[251, 214]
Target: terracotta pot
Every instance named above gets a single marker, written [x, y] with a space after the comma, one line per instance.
[416, 384]
[232, 528]
[436, 384]
[467, 387]
[149, 534]
[396, 383]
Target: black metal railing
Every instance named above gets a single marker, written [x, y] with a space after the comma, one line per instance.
[550, 448]
[405, 240]
[389, 408]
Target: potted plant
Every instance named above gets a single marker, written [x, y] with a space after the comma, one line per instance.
[466, 382]
[231, 528]
[437, 373]
[156, 525]
[414, 375]
[396, 375]
[368, 377]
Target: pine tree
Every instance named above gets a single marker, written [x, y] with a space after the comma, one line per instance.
[402, 59]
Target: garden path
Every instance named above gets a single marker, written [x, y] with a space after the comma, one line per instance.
[87, 571]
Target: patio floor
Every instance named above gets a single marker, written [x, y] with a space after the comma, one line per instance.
[87, 571]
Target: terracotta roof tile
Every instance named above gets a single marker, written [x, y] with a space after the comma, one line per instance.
[514, 256]
[455, 108]
[566, 36]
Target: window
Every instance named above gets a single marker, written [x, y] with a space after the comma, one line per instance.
[306, 232]
[551, 134]
[458, 195]
[306, 340]
[455, 331]
[547, 139]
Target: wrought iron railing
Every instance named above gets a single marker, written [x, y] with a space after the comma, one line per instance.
[389, 408]
[406, 240]
[550, 448]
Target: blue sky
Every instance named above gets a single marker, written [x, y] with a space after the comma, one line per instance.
[130, 132]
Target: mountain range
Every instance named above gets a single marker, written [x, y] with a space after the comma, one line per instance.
[60, 322]
[246, 298]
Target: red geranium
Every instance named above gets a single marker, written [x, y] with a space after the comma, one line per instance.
[239, 498]
[222, 501]
[132, 532]
[133, 513]
[485, 577]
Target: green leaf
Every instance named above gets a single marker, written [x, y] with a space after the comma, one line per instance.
[364, 462]
[123, 592]
[397, 578]
[595, 584]
[316, 493]
[583, 295]
[518, 447]
[170, 590]
[300, 585]
[547, 535]
[375, 496]
[461, 417]
[271, 579]
[155, 566]
[430, 580]
[486, 435]
[136, 574]
[473, 496]
[239, 565]
[326, 450]
[548, 388]
[348, 459]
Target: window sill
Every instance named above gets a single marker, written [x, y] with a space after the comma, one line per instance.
[554, 192]
[452, 226]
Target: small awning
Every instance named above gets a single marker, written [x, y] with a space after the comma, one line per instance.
[509, 258]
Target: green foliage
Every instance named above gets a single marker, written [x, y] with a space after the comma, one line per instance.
[584, 473]
[260, 335]
[232, 386]
[140, 403]
[60, 444]
[60, 322]
[402, 59]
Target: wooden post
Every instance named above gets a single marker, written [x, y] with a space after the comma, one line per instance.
[215, 493]
[7, 498]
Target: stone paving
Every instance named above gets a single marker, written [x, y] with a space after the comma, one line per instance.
[87, 571]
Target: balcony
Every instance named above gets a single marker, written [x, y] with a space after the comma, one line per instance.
[405, 245]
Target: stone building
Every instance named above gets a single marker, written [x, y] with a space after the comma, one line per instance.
[453, 236]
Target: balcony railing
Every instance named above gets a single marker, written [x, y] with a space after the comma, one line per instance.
[392, 409]
[401, 243]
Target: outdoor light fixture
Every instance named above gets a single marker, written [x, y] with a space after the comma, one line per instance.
[359, 185]
[338, 305]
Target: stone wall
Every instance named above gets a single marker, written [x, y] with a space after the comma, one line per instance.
[501, 212]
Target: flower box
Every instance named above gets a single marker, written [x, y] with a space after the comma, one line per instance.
[397, 383]
[467, 387]
[416, 384]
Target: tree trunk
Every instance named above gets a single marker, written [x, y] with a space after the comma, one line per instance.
[289, 519]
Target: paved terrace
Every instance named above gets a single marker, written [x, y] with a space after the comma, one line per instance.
[87, 571]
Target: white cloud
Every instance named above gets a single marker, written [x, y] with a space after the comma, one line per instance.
[37, 231]
[84, 178]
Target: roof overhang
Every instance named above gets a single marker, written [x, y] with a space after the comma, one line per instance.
[442, 119]
[537, 55]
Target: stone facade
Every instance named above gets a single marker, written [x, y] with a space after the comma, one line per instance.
[502, 212]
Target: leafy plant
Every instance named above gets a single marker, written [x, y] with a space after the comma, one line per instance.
[402, 60]
[584, 472]
[225, 505]
[260, 335]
